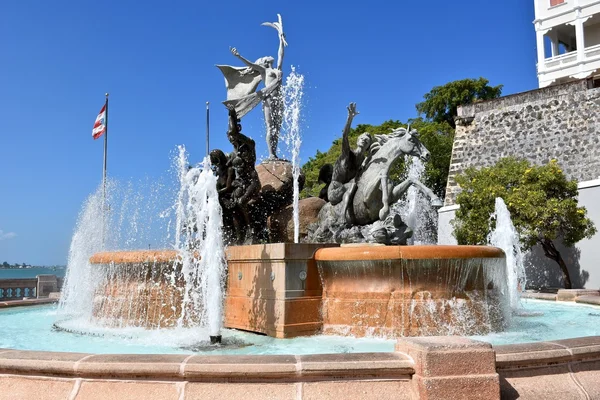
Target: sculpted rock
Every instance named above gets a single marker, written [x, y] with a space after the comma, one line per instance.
[276, 193]
[277, 183]
[281, 223]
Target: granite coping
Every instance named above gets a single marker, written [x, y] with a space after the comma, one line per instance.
[274, 368]
[572, 294]
[539, 296]
[207, 368]
[595, 300]
[547, 353]
[27, 302]
[420, 252]
[135, 257]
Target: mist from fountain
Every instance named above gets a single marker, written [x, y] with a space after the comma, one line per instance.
[293, 91]
[199, 239]
[126, 215]
[78, 289]
[416, 210]
[506, 237]
[113, 297]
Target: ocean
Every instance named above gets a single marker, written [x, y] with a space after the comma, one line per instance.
[12, 273]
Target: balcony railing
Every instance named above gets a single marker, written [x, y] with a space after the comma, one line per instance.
[592, 52]
[39, 287]
[16, 289]
[565, 60]
[561, 60]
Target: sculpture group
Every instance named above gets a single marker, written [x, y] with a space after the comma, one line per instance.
[358, 192]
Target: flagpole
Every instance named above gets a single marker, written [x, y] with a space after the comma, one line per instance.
[104, 172]
[105, 149]
[207, 128]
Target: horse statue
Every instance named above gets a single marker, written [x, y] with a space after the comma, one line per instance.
[365, 213]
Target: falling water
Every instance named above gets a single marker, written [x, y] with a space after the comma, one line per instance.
[414, 297]
[416, 210]
[184, 293]
[293, 91]
[78, 289]
[506, 237]
[199, 239]
[126, 216]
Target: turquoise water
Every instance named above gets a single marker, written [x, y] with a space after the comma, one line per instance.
[22, 273]
[31, 328]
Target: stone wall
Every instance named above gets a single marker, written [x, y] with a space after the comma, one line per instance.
[560, 122]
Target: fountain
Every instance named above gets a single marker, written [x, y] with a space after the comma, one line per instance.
[378, 287]
[349, 284]
[156, 289]
[296, 289]
[505, 237]
[416, 209]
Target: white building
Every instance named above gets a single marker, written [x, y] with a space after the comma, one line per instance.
[568, 40]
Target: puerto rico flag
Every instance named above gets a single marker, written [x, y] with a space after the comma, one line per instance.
[100, 124]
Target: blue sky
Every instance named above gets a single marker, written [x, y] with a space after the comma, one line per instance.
[157, 61]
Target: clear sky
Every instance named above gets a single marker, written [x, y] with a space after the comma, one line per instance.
[156, 58]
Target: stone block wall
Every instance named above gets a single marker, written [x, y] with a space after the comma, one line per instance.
[560, 122]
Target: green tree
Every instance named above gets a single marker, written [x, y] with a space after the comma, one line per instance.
[438, 138]
[442, 102]
[541, 200]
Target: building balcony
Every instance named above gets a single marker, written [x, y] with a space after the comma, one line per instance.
[569, 66]
[549, 14]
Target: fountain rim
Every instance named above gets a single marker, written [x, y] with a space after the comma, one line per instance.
[341, 253]
[135, 257]
[412, 252]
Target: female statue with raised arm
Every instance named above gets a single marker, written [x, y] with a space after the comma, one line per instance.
[271, 93]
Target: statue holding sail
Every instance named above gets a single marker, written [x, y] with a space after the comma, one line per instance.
[242, 84]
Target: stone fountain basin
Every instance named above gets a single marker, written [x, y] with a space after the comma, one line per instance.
[396, 291]
[286, 290]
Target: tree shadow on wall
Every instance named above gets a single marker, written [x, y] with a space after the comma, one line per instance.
[262, 295]
[543, 272]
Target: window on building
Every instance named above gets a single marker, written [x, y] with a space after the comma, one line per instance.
[556, 2]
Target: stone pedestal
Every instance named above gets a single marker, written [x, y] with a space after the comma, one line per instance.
[274, 289]
[452, 368]
[46, 284]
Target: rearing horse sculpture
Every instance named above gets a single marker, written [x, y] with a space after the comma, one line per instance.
[369, 196]
[375, 191]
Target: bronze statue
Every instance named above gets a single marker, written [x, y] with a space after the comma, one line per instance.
[242, 82]
[347, 166]
[361, 191]
[237, 181]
